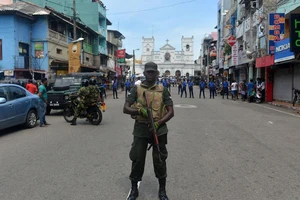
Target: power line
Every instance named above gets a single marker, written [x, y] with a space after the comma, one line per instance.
[155, 8]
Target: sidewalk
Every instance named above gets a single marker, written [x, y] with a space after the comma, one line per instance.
[285, 105]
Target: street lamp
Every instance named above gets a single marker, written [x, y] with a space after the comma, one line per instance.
[133, 64]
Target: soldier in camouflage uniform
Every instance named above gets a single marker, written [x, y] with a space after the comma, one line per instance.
[84, 94]
[94, 91]
[162, 109]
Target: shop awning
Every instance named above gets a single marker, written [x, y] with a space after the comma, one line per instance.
[265, 61]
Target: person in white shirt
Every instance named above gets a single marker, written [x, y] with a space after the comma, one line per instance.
[138, 82]
[234, 89]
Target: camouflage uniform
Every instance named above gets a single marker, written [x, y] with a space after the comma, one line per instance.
[94, 93]
[84, 94]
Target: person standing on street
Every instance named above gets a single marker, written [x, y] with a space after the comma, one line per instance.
[202, 88]
[179, 86]
[104, 88]
[43, 102]
[183, 88]
[191, 89]
[234, 90]
[115, 88]
[159, 98]
[127, 87]
[31, 87]
[212, 88]
[225, 88]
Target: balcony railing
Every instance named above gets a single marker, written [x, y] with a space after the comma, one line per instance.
[58, 37]
[23, 62]
[102, 50]
[117, 42]
[88, 48]
[102, 31]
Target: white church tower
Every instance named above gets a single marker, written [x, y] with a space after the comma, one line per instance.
[147, 49]
[187, 46]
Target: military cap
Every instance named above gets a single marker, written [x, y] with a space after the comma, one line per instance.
[150, 66]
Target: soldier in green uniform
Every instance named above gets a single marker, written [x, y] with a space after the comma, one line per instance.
[94, 91]
[162, 108]
[83, 93]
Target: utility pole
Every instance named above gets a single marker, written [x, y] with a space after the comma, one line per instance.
[74, 20]
[133, 65]
[251, 63]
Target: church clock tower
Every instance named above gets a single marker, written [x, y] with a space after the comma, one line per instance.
[148, 48]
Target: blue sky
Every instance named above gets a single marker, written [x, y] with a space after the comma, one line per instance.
[194, 18]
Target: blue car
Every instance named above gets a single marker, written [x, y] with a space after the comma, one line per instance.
[17, 106]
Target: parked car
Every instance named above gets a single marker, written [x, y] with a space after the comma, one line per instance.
[17, 106]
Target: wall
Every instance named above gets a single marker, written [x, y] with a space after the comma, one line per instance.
[7, 34]
[5, 2]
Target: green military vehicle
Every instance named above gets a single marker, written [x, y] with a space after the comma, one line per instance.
[65, 85]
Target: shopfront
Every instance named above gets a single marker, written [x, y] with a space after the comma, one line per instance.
[285, 72]
[264, 64]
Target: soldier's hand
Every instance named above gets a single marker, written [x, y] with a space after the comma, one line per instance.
[156, 125]
[143, 112]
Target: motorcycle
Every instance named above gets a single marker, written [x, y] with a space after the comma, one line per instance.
[296, 96]
[258, 98]
[92, 113]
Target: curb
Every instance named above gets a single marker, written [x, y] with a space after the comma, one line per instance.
[284, 106]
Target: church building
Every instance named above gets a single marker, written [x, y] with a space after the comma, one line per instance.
[169, 60]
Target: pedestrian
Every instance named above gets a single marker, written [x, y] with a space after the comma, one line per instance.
[104, 88]
[261, 88]
[234, 90]
[84, 94]
[225, 88]
[115, 88]
[212, 88]
[183, 88]
[202, 85]
[191, 89]
[31, 87]
[127, 87]
[251, 91]
[244, 90]
[43, 102]
[158, 97]
[179, 87]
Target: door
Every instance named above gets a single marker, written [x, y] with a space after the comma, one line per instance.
[6, 109]
[283, 80]
[20, 103]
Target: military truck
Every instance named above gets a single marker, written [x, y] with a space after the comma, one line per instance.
[65, 85]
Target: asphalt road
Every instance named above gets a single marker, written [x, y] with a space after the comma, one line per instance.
[218, 149]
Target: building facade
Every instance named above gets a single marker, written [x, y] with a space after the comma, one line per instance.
[170, 61]
[35, 42]
[91, 13]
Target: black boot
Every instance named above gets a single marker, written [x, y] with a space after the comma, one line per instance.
[74, 121]
[162, 195]
[134, 193]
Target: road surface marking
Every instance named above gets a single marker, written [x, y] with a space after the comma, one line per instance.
[185, 106]
[287, 113]
[139, 183]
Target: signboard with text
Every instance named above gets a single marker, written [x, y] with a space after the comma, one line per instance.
[231, 40]
[121, 53]
[295, 32]
[235, 54]
[276, 29]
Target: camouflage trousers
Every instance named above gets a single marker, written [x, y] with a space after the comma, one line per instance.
[82, 105]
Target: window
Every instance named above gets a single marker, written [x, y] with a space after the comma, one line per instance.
[16, 93]
[87, 59]
[58, 51]
[0, 49]
[4, 93]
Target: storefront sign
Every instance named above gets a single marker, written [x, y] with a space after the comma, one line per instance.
[234, 53]
[265, 61]
[121, 53]
[295, 32]
[282, 51]
[8, 72]
[276, 29]
[231, 40]
[39, 49]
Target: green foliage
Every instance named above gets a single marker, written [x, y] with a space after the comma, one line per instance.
[227, 49]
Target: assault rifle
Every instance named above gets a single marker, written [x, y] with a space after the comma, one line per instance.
[155, 142]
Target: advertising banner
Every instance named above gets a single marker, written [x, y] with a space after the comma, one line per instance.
[39, 49]
[74, 57]
[121, 53]
[294, 32]
[276, 29]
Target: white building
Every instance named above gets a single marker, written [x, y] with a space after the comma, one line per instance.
[169, 61]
